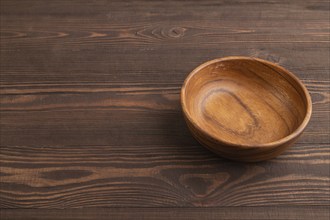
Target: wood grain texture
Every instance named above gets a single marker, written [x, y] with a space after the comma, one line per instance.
[245, 109]
[158, 176]
[227, 213]
[90, 109]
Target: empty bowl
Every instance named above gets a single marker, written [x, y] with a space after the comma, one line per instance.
[244, 108]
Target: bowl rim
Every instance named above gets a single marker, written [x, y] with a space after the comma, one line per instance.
[272, 144]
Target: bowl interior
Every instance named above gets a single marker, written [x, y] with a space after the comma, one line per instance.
[244, 101]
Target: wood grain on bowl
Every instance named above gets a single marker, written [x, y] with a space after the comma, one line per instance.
[245, 108]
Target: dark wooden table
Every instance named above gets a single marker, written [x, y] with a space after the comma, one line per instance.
[91, 125]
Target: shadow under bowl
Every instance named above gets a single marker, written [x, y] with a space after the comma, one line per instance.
[245, 109]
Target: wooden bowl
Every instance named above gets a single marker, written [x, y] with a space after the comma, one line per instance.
[245, 109]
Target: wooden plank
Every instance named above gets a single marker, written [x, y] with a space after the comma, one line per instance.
[102, 114]
[159, 176]
[159, 42]
[228, 213]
